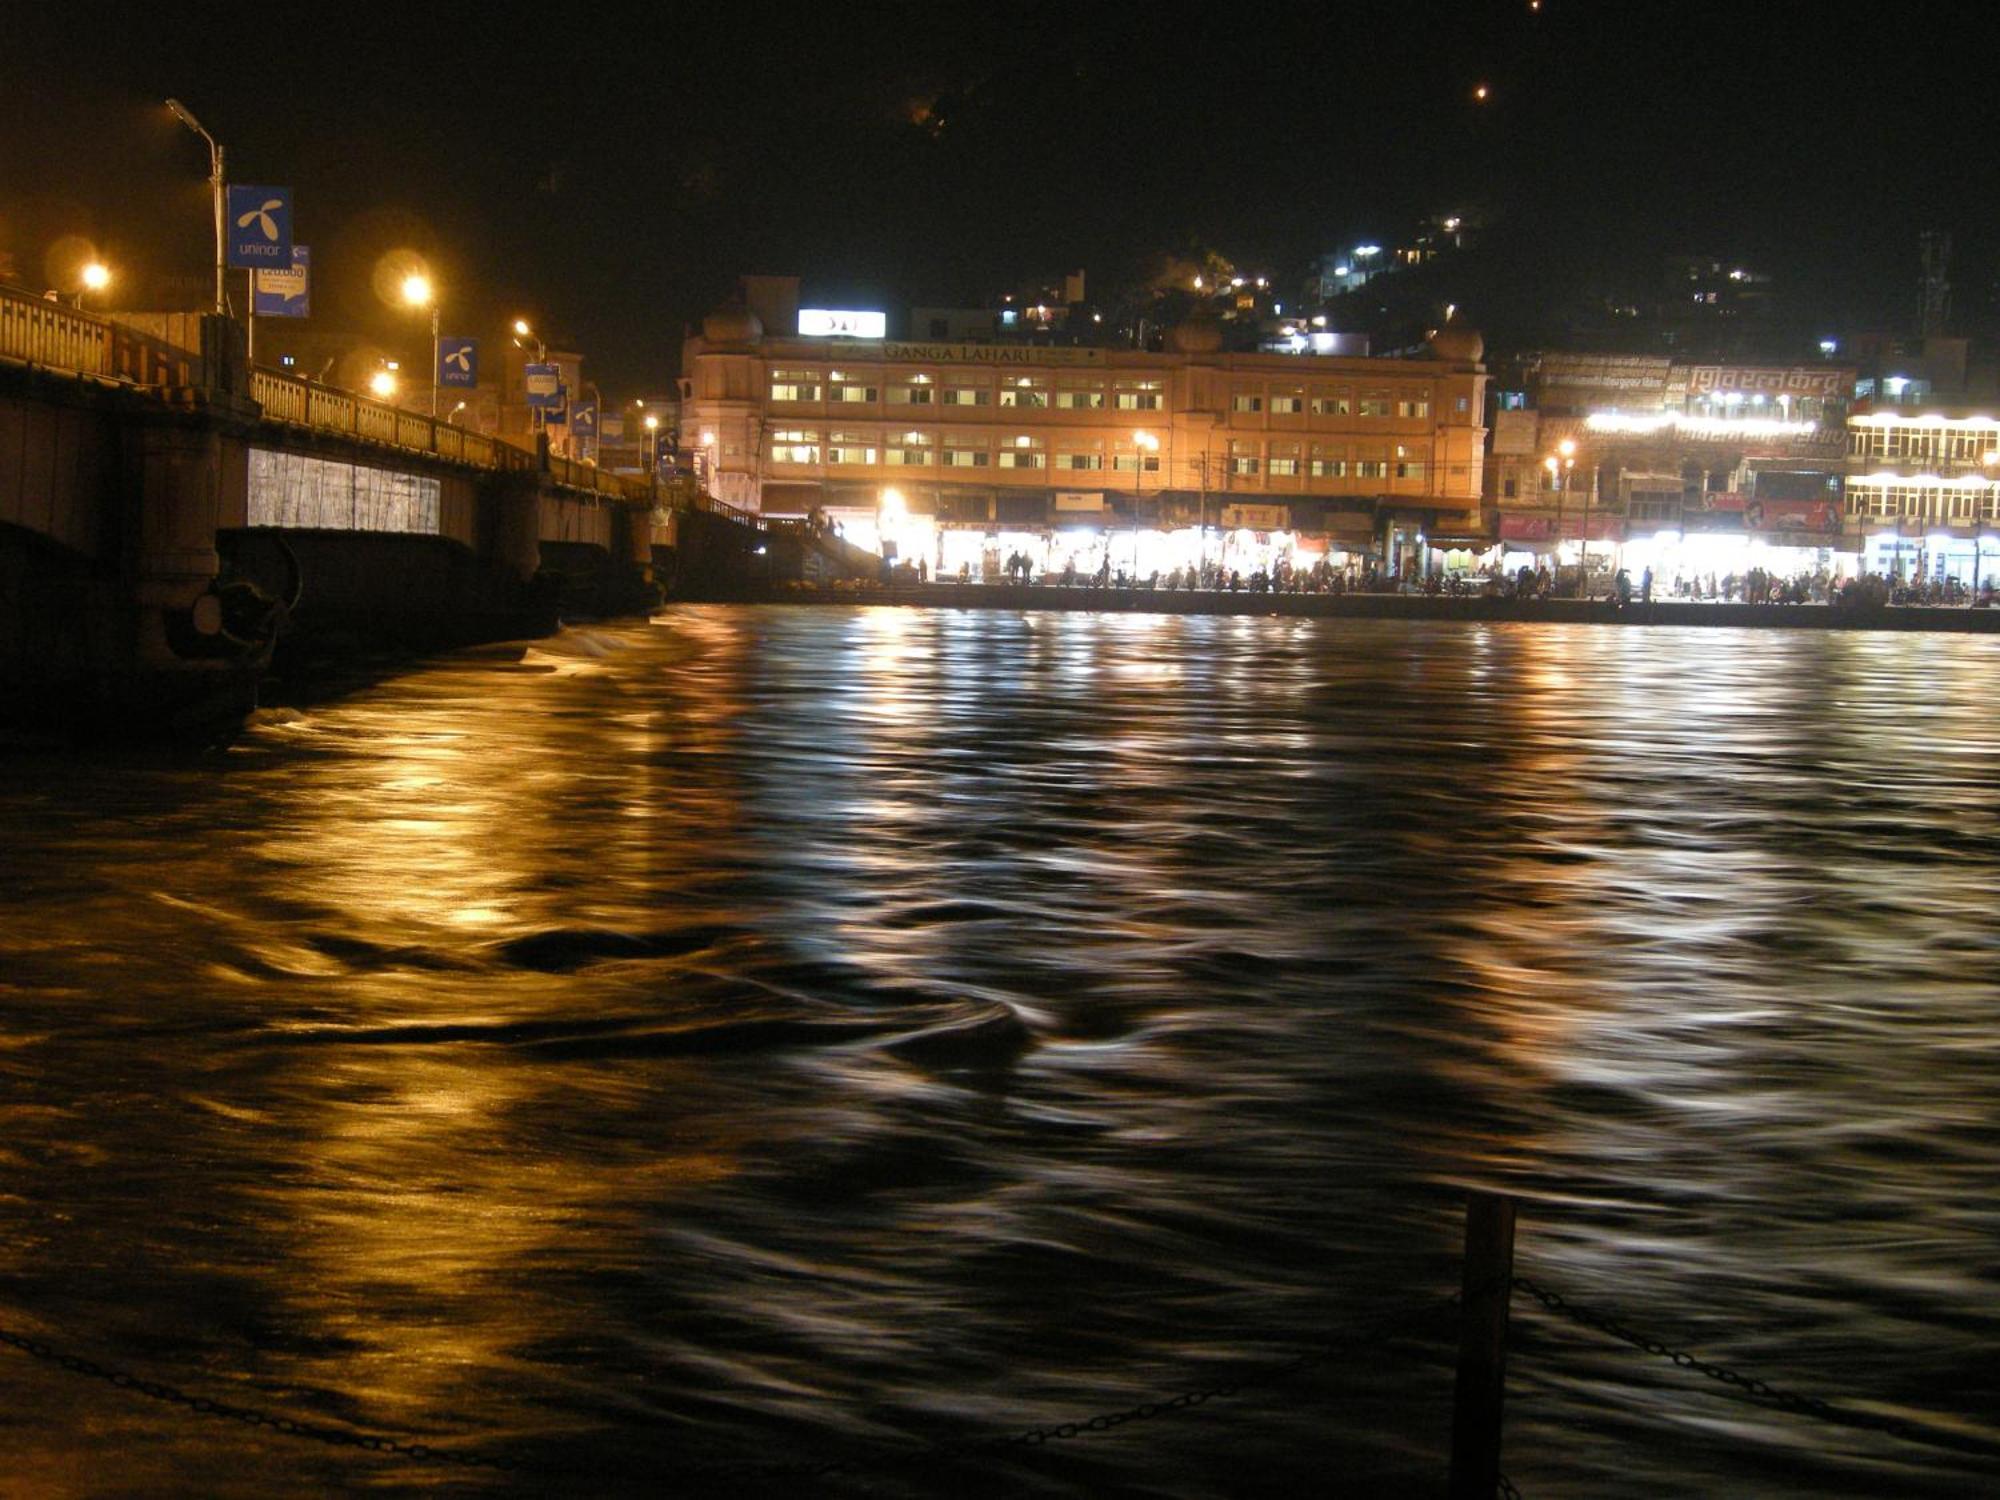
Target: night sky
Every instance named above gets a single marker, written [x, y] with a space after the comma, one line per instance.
[608, 171]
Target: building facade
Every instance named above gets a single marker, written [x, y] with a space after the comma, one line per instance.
[970, 452]
[1688, 469]
[1923, 491]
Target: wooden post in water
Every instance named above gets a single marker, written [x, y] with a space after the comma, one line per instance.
[1482, 1349]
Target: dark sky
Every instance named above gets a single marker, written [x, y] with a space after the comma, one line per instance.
[609, 170]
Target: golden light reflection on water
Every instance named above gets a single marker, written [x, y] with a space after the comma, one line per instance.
[772, 1027]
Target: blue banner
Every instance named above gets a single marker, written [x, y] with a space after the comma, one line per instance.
[583, 419]
[458, 362]
[260, 227]
[544, 384]
[287, 294]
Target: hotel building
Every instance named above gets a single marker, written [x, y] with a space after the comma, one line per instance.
[964, 454]
[1923, 491]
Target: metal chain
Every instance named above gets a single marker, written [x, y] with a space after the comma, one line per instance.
[317, 1432]
[1034, 1437]
[1749, 1385]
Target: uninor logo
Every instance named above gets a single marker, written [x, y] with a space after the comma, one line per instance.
[462, 357]
[262, 215]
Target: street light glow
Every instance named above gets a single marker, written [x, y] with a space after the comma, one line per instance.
[652, 423]
[1567, 448]
[96, 276]
[382, 384]
[417, 289]
[521, 328]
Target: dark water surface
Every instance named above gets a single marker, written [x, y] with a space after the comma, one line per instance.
[768, 1034]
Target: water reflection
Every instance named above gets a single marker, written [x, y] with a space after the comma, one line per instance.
[763, 1032]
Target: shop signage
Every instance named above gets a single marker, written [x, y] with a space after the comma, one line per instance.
[1079, 500]
[1729, 500]
[987, 354]
[1750, 380]
[1254, 517]
[544, 386]
[1527, 528]
[1630, 373]
[1791, 515]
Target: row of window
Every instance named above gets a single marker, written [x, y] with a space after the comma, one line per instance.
[1918, 444]
[1034, 392]
[1925, 502]
[972, 450]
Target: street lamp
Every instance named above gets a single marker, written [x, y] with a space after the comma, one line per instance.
[652, 442]
[1143, 443]
[95, 278]
[418, 292]
[522, 330]
[215, 181]
[382, 384]
[1560, 469]
[449, 420]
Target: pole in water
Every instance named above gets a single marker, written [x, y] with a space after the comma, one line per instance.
[1482, 1349]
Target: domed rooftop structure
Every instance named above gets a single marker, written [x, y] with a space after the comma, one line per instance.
[1200, 334]
[732, 323]
[1458, 343]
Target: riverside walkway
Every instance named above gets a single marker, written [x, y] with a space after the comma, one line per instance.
[1360, 606]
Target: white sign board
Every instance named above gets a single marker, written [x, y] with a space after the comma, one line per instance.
[1079, 500]
[842, 323]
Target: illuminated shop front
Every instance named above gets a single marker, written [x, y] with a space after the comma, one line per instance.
[1923, 493]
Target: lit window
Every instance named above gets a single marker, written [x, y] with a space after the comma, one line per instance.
[850, 448]
[1332, 404]
[1024, 391]
[1246, 401]
[1077, 397]
[1287, 404]
[795, 385]
[911, 449]
[963, 450]
[1022, 451]
[1419, 406]
[1244, 458]
[1375, 406]
[1081, 454]
[967, 395]
[795, 445]
[1141, 395]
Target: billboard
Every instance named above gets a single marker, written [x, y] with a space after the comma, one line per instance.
[286, 294]
[260, 227]
[842, 323]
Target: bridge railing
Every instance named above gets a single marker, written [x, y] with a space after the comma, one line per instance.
[325, 408]
[38, 331]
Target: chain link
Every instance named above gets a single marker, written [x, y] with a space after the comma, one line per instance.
[317, 1432]
[1030, 1438]
[1758, 1390]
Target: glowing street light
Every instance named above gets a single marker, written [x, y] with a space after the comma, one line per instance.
[382, 385]
[652, 442]
[95, 278]
[215, 182]
[418, 292]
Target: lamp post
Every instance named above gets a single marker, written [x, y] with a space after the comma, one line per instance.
[418, 292]
[523, 331]
[221, 212]
[652, 443]
[1559, 471]
[1990, 461]
[94, 277]
[382, 385]
[1143, 443]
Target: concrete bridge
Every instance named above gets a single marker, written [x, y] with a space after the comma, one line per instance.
[171, 517]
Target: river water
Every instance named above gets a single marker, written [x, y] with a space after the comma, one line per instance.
[764, 1036]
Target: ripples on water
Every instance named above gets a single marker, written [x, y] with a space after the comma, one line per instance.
[766, 1032]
